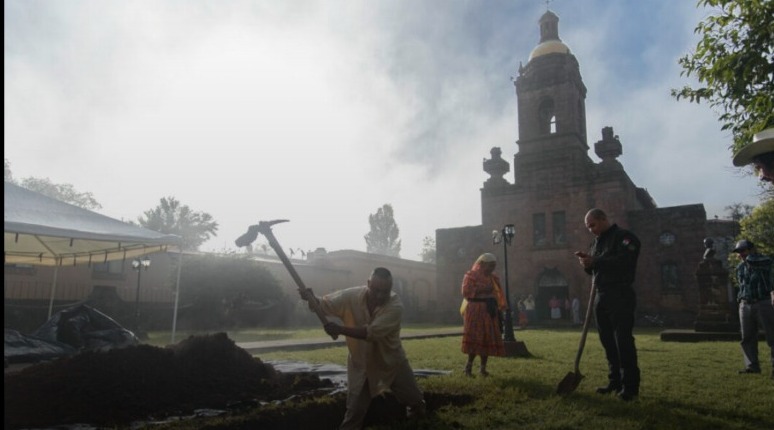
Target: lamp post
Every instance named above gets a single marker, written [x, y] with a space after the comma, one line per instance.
[513, 348]
[506, 236]
[139, 265]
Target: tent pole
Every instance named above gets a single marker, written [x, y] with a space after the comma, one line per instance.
[177, 294]
[53, 291]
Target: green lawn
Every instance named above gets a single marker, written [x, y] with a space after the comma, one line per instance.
[684, 385]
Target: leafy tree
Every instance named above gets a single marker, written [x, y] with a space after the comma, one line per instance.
[428, 250]
[737, 211]
[7, 175]
[223, 291]
[62, 192]
[734, 63]
[383, 237]
[758, 227]
[173, 218]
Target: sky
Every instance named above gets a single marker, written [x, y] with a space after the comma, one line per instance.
[320, 112]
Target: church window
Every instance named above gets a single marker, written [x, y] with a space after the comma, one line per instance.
[669, 277]
[539, 229]
[547, 116]
[558, 222]
[666, 238]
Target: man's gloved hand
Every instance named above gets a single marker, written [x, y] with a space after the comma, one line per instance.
[332, 329]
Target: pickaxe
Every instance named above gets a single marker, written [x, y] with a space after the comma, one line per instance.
[264, 227]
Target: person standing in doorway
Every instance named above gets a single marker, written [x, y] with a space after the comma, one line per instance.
[523, 321]
[755, 276]
[576, 318]
[481, 333]
[377, 362]
[529, 307]
[612, 263]
[554, 306]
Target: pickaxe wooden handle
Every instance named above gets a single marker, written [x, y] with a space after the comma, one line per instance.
[264, 227]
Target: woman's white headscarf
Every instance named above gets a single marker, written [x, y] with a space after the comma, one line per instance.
[486, 257]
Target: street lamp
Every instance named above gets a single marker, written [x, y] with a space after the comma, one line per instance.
[512, 346]
[506, 236]
[139, 265]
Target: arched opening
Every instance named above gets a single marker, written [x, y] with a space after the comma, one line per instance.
[546, 116]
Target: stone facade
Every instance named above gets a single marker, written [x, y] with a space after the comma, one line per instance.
[555, 183]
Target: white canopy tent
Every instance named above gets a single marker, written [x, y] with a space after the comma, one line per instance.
[43, 231]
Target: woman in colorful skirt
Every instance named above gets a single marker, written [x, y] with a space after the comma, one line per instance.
[481, 334]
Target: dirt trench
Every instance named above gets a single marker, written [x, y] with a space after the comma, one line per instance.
[146, 383]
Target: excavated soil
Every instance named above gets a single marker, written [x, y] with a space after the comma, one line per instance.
[146, 383]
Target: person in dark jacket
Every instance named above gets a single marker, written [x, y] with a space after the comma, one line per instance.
[755, 276]
[612, 263]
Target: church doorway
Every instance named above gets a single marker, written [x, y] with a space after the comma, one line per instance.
[551, 284]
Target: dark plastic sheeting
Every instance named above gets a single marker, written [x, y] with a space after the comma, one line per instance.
[72, 330]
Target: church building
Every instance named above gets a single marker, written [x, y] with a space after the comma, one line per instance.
[554, 184]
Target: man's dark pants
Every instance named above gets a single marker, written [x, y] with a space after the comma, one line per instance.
[614, 311]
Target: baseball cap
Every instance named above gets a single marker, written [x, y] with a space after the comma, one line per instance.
[762, 143]
[743, 245]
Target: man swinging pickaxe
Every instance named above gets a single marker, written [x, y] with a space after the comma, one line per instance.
[264, 227]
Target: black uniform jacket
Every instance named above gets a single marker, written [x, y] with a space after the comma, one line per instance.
[615, 255]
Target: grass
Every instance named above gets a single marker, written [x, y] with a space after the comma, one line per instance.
[684, 385]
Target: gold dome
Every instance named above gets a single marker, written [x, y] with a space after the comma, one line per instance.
[549, 47]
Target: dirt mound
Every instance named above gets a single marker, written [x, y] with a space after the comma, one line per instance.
[143, 382]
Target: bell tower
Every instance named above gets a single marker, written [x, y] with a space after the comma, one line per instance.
[551, 101]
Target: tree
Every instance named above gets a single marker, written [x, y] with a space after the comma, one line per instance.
[758, 227]
[7, 175]
[428, 250]
[737, 211]
[217, 290]
[173, 218]
[62, 192]
[383, 237]
[734, 63]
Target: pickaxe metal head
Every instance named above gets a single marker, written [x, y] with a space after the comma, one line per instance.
[263, 227]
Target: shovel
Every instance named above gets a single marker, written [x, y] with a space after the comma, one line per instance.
[573, 379]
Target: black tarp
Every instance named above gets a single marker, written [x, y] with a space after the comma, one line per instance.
[72, 330]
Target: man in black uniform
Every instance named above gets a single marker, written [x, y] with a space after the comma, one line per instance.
[612, 262]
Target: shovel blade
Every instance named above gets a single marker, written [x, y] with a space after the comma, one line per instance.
[569, 383]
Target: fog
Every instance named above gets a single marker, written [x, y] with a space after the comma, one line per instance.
[320, 112]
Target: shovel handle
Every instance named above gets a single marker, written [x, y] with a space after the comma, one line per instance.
[586, 321]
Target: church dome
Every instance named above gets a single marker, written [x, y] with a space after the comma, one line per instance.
[549, 47]
[550, 43]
